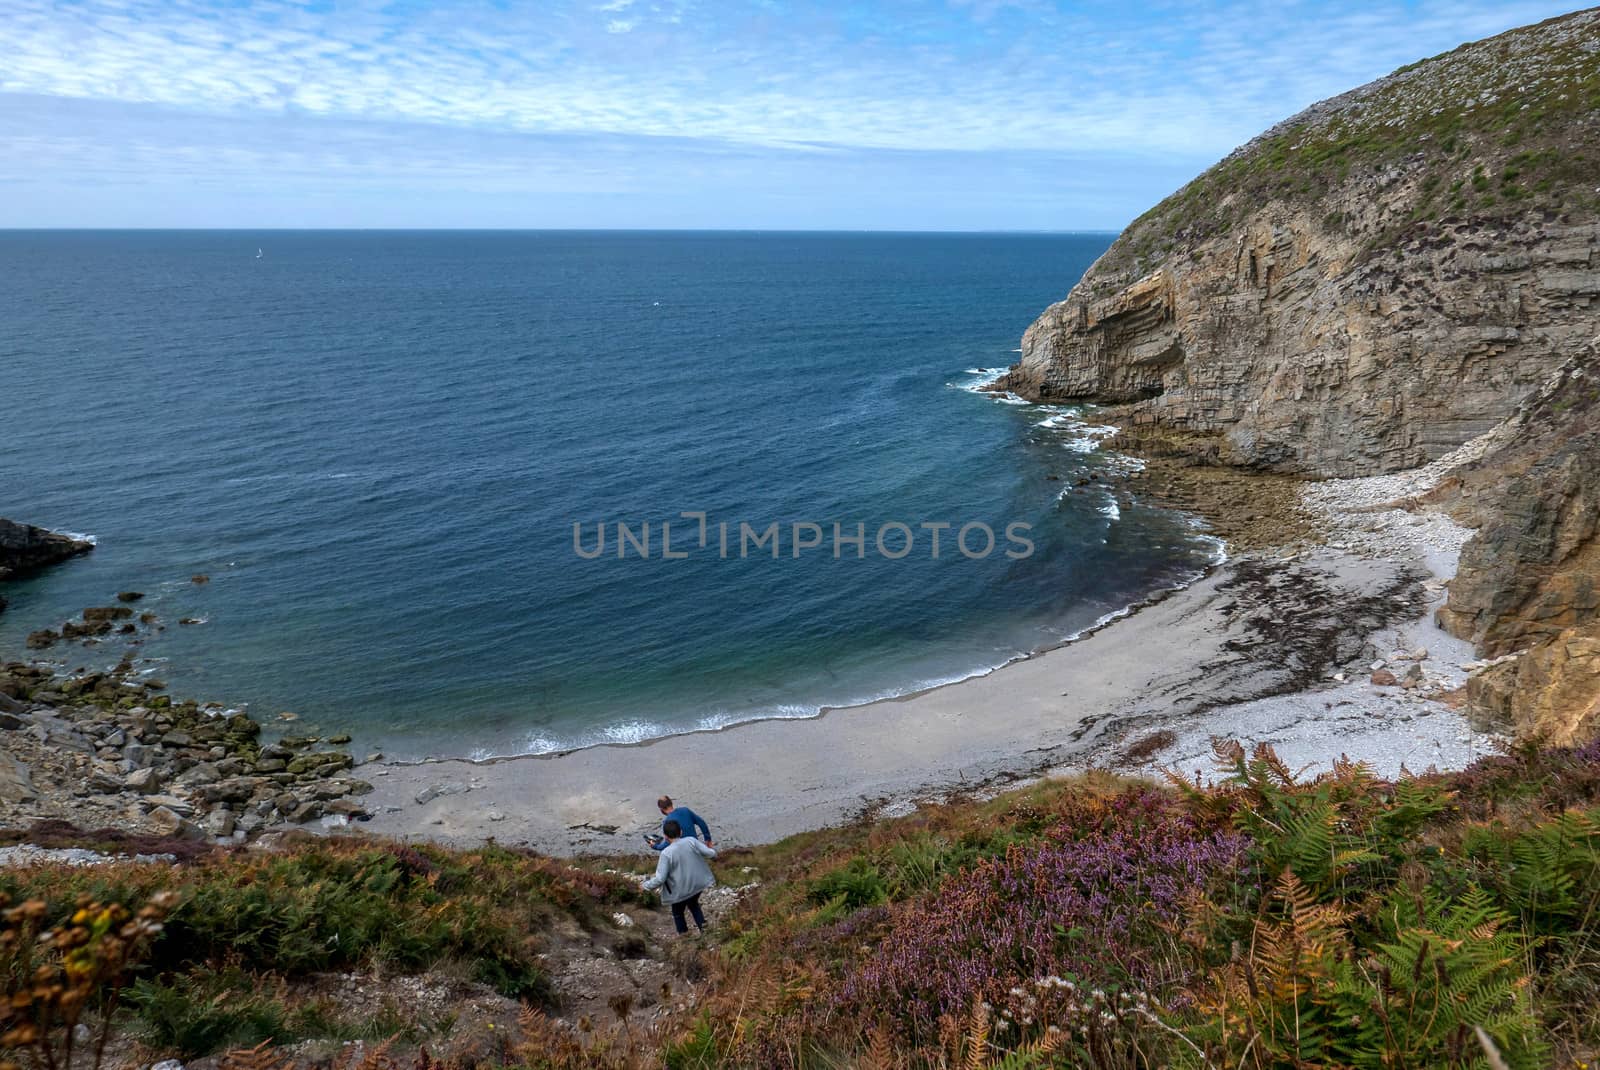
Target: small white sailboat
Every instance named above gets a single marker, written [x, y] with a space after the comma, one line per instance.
[258, 254]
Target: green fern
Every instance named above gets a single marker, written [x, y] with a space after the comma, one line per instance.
[1414, 804]
[1309, 992]
[1300, 828]
[1443, 968]
[1549, 874]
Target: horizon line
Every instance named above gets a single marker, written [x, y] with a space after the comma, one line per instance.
[549, 230]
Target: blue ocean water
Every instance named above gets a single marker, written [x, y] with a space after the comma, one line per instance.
[377, 444]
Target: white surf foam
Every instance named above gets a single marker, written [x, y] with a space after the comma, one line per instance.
[634, 731]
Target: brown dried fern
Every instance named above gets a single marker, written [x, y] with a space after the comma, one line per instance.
[977, 1039]
[378, 1058]
[880, 1055]
[256, 1058]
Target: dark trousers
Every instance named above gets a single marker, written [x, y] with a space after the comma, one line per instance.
[692, 905]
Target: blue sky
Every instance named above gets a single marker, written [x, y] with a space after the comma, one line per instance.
[943, 114]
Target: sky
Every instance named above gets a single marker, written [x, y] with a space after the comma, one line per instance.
[747, 114]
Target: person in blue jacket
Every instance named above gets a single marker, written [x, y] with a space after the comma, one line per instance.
[690, 822]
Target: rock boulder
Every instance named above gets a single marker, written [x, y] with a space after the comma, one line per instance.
[24, 548]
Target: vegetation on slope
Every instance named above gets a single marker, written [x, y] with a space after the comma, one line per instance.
[1344, 922]
[1442, 921]
[1492, 130]
[242, 933]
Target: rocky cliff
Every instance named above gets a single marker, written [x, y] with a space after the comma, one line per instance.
[1369, 285]
[1529, 580]
[24, 547]
[1365, 286]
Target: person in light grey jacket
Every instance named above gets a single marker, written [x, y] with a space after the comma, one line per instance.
[682, 874]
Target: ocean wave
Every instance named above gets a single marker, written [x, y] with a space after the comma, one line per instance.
[81, 536]
[980, 378]
[1106, 618]
[634, 731]
[299, 477]
[716, 722]
[642, 731]
[1219, 548]
[532, 747]
[1080, 436]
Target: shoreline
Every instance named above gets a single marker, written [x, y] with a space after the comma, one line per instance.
[1271, 645]
[1365, 588]
[1106, 621]
[1063, 709]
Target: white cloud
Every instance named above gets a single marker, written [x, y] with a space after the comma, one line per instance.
[1162, 78]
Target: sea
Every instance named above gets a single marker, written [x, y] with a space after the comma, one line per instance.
[395, 456]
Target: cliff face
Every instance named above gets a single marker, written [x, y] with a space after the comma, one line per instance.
[1529, 580]
[1367, 285]
[24, 547]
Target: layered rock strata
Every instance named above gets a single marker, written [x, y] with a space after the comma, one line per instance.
[1366, 287]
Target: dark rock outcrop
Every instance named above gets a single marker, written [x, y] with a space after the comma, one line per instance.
[24, 548]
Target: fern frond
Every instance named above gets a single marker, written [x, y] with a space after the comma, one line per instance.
[880, 1054]
[256, 1058]
[977, 1037]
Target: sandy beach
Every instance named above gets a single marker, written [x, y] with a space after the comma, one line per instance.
[1273, 646]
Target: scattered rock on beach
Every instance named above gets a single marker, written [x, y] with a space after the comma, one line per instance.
[145, 781]
[107, 749]
[15, 784]
[1384, 678]
[165, 821]
[436, 791]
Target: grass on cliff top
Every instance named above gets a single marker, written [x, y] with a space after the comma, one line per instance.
[1492, 130]
[1260, 921]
